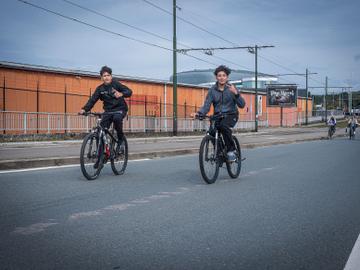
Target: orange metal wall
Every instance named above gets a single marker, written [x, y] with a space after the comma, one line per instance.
[21, 95]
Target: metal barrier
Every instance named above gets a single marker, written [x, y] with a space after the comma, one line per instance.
[12, 122]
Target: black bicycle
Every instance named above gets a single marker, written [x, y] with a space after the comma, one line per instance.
[213, 153]
[352, 128]
[331, 131]
[99, 147]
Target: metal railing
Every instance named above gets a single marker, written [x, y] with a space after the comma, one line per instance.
[13, 122]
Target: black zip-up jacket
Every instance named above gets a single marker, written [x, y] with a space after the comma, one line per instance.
[223, 101]
[105, 93]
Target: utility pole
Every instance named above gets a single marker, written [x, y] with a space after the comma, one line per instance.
[174, 72]
[255, 51]
[256, 88]
[326, 89]
[350, 101]
[307, 96]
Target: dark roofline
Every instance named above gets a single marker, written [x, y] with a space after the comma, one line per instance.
[233, 70]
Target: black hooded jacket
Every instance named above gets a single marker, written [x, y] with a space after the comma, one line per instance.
[106, 94]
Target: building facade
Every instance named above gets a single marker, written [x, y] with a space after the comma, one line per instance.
[37, 90]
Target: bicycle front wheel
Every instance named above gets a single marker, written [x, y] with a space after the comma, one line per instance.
[234, 167]
[91, 160]
[330, 134]
[208, 160]
[119, 160]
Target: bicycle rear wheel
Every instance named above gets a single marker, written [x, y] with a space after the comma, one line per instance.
[234, 168]
[91, 161]
[351, 133]
[208, 160]
[119, 160]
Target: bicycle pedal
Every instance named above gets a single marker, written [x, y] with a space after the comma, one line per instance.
[243, 159]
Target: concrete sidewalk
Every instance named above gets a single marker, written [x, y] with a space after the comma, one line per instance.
[39, 154]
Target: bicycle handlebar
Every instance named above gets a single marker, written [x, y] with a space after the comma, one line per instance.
[212, 117]
[97, 113]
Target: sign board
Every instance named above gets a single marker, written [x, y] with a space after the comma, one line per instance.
[281, 95]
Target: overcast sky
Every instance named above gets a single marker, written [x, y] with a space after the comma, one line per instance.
[323, 35]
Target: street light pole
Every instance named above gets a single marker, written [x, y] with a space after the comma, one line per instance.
[326, 89]
[307, 96]
[256, 88]
[174, 72]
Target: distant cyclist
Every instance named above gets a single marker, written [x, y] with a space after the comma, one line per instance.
[332, 122]
[112, 93]
[225, 98]
[332, 126]
[353, 123]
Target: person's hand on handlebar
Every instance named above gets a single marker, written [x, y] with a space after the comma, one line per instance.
[194, 115]
[82, 112]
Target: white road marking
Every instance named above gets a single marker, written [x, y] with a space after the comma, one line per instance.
[57, 167]
[39, 168]
[33, 228]
[353, 262]
[125, 206]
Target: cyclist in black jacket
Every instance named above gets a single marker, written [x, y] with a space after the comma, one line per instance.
[113, 95]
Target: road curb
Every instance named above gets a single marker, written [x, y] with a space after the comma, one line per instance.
[58, 161]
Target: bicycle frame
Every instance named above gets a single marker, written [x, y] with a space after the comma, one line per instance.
[219, 141]
[102, 132]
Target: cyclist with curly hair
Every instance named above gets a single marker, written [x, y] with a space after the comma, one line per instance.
[226, 99]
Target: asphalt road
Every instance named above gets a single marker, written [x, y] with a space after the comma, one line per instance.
[293, 207]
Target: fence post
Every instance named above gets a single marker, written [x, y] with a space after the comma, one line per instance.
[185, 109]
[37, 107]
[48, 123]
[129, 114]
[145, 108]
[65, 118]
[160, 114]
[25, 118]
[58, 118]
[87, 123]
[4, 106]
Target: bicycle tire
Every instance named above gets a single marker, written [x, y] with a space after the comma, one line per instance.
[83, 154]
[214, 160]
[114, 159]
[330, 133]
[238, 161]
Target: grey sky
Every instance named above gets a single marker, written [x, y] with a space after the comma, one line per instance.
[322, 35]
